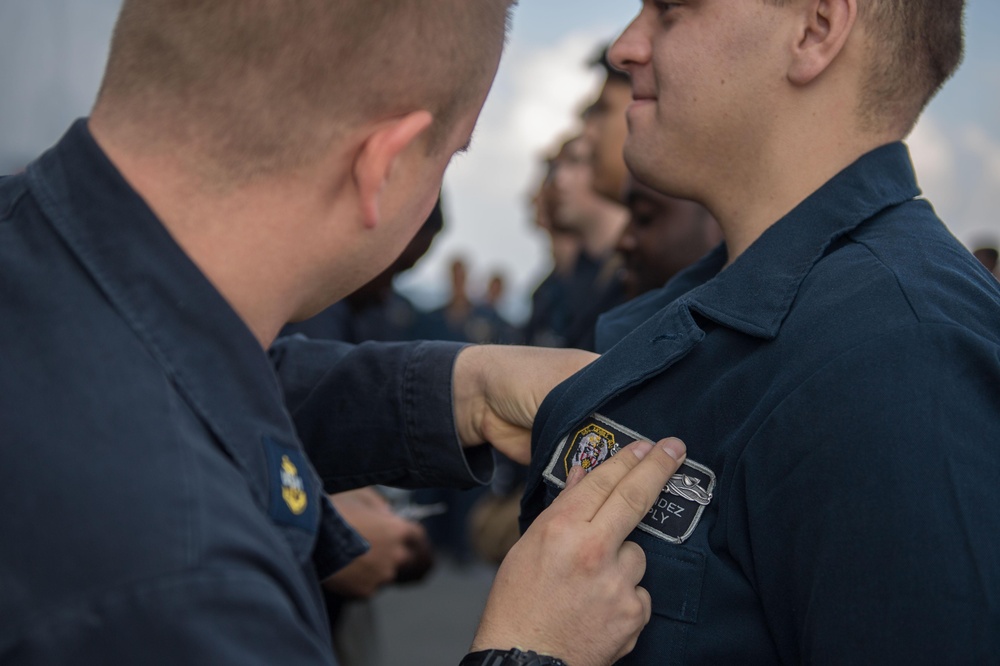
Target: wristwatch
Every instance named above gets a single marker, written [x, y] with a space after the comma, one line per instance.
[511, 657]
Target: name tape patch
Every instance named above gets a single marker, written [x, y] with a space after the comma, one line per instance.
[677, 510]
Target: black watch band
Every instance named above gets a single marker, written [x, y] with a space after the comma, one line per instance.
[511, 657]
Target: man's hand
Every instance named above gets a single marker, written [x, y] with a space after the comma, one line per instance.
[569, 587]
[498, 389]
[397, 545]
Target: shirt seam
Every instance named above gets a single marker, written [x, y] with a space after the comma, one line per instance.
[409, 403]
[895, 276]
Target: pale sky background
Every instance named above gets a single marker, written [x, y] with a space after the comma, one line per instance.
[52, 53]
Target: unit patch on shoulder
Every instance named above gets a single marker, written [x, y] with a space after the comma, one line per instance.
[677, 510]
[291, 492]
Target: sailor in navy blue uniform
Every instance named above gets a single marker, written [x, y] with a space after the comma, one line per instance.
[145, 431]
[838, 388]
[834, 368]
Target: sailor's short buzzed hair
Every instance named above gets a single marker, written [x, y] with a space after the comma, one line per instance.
[914, 47]
[265, 85]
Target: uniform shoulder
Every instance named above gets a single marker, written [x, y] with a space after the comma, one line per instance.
[907, 268]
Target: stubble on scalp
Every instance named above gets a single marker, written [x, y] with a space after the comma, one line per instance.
[263, 86]
[914, 47]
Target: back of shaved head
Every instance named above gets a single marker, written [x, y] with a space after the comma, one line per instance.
[262, 86]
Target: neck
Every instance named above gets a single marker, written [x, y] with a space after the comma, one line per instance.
[776, 182]
[241, 238]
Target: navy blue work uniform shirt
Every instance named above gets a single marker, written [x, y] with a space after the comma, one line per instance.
[838, 388]
[158, 505]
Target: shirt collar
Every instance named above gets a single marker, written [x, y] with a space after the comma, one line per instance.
[755, 293]
[205, 349]
[201, 342]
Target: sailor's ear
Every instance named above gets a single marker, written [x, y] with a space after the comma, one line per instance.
[380, 155]
[824, 29]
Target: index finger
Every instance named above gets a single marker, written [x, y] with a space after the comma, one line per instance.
[634, 495]
[585, 499]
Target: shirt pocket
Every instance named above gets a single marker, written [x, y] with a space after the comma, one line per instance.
[673, 578]
[674, 572]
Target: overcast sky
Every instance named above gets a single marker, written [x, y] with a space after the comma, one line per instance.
[52, 53]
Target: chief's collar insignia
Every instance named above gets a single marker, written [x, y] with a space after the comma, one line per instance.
[294, 493]
[683, 499]
[292, 488]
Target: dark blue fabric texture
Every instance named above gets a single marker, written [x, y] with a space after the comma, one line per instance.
[139, 418]
[841, 378]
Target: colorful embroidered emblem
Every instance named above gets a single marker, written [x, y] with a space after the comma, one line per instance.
[683, 499]
[592, 445]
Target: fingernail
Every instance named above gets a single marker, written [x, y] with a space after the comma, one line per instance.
[641, 449]
[674, 447]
